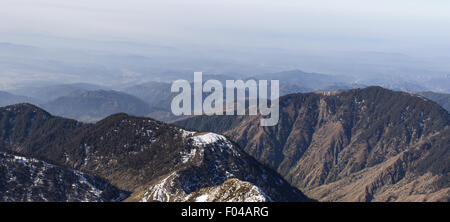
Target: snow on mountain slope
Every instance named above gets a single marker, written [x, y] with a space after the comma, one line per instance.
[212, 168]
[207, 138]
[232, 190]
[28, 179]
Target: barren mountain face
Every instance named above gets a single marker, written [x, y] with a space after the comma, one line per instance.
[367, 144]
[152, 160]
[214, 169]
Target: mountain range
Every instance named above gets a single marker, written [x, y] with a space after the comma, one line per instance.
[89, 102]
[92, 106]
[368, 144]
[148, 159]
[49, 92]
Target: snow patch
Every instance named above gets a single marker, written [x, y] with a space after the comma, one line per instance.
[186, 134]
[159, 192]
[202, 198]
[208, 138]
[185, 157]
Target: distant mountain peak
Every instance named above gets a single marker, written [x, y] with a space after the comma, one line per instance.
[25, 107]
[91, 106]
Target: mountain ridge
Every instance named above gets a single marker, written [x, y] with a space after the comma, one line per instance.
[131, 153]
[324, 138]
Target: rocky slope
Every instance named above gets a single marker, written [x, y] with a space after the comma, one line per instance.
[232, 190]
[367, 144]
[213, 169]
[140, 155]
[29, 179]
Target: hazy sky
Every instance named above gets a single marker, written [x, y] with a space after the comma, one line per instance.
[381, 25]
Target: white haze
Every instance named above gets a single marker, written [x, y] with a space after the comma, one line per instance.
[346, 37]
